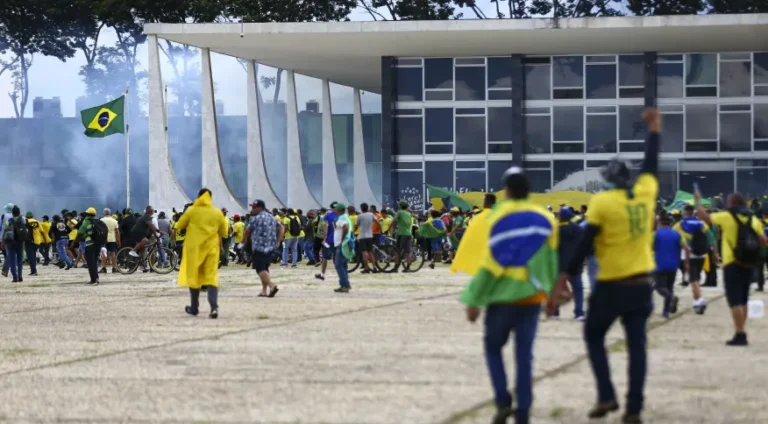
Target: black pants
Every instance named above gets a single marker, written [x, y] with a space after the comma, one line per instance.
[631, 303]
[213, 298]
[92, 257]
[760, 274]
[665, 286]
[711, 279]
[45, 250]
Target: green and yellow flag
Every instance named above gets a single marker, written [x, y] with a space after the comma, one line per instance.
[104, 120]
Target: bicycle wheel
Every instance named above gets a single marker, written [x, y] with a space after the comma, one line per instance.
[386, 257]
[127, 264]
[416, 259]
[354, 263]
[156, 262]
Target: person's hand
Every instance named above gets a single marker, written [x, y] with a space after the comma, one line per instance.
[652, 116]
[561, 293]
[472, 314]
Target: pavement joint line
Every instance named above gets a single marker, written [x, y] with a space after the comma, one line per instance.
[462, 415]
[70, 305]
[220, 335]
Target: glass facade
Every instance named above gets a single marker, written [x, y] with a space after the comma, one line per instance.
[576, 112]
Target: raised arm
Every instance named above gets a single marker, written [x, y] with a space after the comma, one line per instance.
[651, 160]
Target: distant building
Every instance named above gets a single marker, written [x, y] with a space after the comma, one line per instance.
[313, 106]
[46, 108]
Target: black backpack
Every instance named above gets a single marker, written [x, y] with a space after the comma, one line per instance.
[21, 232]
[747, 249]
[294, 226]
[699, 243]
[99, 232]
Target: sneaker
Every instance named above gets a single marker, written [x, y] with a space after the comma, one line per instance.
[33, 274]
[684, 284]
[502, 415]
[699, 309]
[365, 271]
[631, 419]
[214, 314]
[320, 277]
[133, 253]
[15, 280]
[448, 262]
[283, 265]
[21, 280]
[145, 270]
[114, 270]
[293, 266]
[5, 274]
[317, 264]
[342, 290]
[94, 283]
[189, 310]
[84, 266]
[603, 408]
[739, 339]
[759, 289]
[432, 266]
[60, 265]
[579, 318]
[103, 271]
[673, 306]
[273, 292]
[68, 268]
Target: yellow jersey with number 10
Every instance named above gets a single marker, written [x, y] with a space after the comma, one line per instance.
[623, 246]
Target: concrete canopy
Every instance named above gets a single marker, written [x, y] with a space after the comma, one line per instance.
[349, 53]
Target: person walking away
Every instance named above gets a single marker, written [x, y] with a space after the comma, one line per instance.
[126, 228]
[199, 268]
[92, 248]
[570, 239]
[8, 214]
[511, 284]
[620, 226]
[328, 248]
[321, 232]
[60, 236]
[14, 236]
[667, 244]
[404, 236]
[226, 242]
[341, 235]
[364, 227]
[45, 248]
[35, 240]
[309, 237]
[113, 241]
[292, 236]
[265, 233]
[763, 253]
[433, 231]
[164, 230]
[742, 237]
[300, 240]
[238, 229]
[699, 238]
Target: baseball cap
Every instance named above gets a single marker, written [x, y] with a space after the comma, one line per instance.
[258, 204]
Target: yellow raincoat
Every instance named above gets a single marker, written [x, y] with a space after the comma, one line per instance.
[200, 259]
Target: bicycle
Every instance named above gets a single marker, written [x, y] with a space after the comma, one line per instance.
[128, 264]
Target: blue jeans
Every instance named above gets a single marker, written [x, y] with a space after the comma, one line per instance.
[31, 256]
[308, 245]
[500, 320]
[340, 262]
[163, 243]
[61, 250]
[592, 270]
[292, 245]
[14, 255]
[577, 285]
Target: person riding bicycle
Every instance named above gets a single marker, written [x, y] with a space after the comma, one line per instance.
[144, 231]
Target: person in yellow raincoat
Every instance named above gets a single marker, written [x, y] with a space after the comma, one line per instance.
[202, 247]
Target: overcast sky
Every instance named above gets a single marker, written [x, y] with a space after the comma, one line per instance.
[50, 77]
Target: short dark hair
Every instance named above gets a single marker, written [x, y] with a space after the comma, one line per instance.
[364, 207]
[15, 211]
[489, 200]
[688, 208]
[435, 213]
[737, 199]
[203, 191]
[299, 211]
[665, 220]
[517, 186]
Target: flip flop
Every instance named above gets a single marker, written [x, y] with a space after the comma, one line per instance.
[274, 292]
[262, 295]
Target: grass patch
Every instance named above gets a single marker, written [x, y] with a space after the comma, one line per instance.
[702, 388]
[38, 285]
[618, 347]
[13, 353]
[556, 412]
[263, 316]
[96, 340]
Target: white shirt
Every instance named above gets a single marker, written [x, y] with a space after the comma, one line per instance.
[342, 222]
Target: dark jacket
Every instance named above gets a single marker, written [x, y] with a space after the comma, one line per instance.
[570, 239]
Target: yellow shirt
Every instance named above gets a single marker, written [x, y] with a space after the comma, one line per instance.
[37, 231]
[623, 247]
[386, 224]
[729, 231]
[46, 228]
[181, 234]
[353, 220]
[239, 231]
[73, 228]
[111, 224]
[286, 221]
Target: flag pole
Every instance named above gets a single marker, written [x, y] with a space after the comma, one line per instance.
[127, 151]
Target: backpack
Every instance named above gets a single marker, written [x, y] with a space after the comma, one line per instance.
[699, 243]
[747, 249]
[99, 232]
[294, 227]
[20, 231]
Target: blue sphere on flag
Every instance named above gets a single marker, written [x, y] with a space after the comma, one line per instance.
[103, 119]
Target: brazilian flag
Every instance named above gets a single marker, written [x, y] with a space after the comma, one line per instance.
[104, 120]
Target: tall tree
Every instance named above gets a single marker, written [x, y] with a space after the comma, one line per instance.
[665, 7]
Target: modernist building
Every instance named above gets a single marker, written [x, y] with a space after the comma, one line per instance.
[463, 100]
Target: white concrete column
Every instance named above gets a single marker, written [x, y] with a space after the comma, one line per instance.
[332, 191]
[164, 189]
[258, 180]
[213, 174]
[363, 191]
[299, 194]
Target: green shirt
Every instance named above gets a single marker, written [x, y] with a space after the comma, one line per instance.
[85, 231]
[403, 223]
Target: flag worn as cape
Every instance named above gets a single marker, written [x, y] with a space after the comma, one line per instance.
[429, 231]
[473, 241]
[519, 257]
[449, 198]
[104, 120]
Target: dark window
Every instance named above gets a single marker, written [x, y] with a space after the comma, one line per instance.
[601, 133]
[409, 87]
[631, 147]
[710, 182]
[437, 96]
[439, 174]
[669, 79]
[470, 83]
[470, 135]
[631, 70]
[701, 69]
[500, 95]
[407, 165]
[438, 149]
[540, 181]
[568, 123]
[408, 112]
[735, 79]
[761, 68]
[701, 122]
[596, 163]
[439, 125]
[499, 124]
[499, 147]
[470, 181]
[631, 125]
[567, 147]
[537, 82]
[567, 71]
[735, 108]
[499, 72]
[761, 146]
[438, 73]
[530, 60]
[761, 121]
[563, 169]
[496, 169]
[410, 187]
[538, 137]
[601, 81]
[700, 146]
[631, 93]
[408, 136]
[470, 111]
[568, 93]
[735, 134]
[701, 91]
[672, 138]
[752, 181]
[470, 164]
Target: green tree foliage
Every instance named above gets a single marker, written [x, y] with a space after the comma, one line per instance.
[737, 6]
[665, 7]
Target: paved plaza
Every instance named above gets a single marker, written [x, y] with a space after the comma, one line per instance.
[397, 349]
